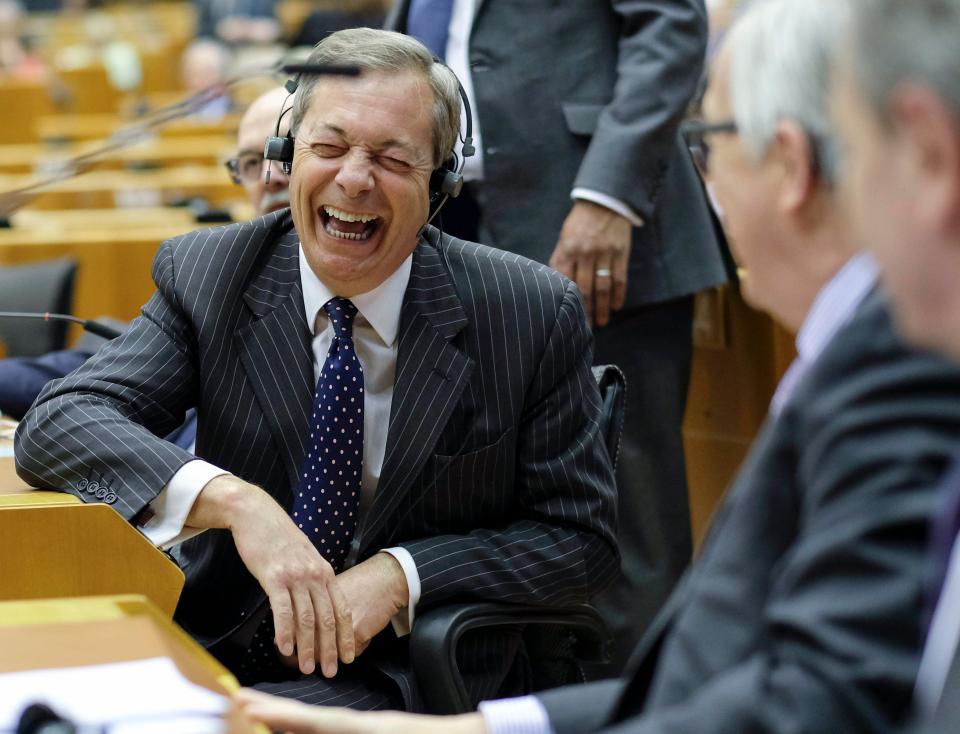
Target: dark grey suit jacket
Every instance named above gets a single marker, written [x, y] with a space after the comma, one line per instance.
[574, 93]
[802, 612]
[495, 476]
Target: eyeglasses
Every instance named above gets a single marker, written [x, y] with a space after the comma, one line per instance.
[246, 168]
[695, 133]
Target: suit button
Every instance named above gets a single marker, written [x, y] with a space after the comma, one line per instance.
[82, 484]
[490, 151]
[110, 498]
[479, 64]
[101, 493]
[93, 487]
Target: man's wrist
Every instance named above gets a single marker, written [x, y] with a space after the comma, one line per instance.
[395, 578]
[224, 502]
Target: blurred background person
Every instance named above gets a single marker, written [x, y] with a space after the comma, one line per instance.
[204, 68]
[238, 21]
[897, 106]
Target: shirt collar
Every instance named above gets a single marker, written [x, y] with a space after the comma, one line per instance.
[835, 304]
[380, 306]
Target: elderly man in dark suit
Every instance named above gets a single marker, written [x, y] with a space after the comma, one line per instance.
[896, 103]
[799, 615]
[579, 165]
[388, 418]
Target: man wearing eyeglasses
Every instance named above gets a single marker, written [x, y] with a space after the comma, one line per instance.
[800, 612]
[247, 168]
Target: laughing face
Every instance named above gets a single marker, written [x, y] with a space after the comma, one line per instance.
[361, 170]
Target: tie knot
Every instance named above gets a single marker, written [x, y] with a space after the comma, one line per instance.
[341, 312]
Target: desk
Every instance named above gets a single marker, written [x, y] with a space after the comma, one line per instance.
[102, 126]
[158, 152]
[106, 189]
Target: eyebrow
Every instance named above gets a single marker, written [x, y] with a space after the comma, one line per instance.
[249, 151]
[383, 145]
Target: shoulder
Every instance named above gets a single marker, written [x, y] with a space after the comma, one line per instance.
[485, 274]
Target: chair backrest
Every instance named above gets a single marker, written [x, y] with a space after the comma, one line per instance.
[37, 287]
[613, 393]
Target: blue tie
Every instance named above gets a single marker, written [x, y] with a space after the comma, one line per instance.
[429, 22]
[328, 493]
[327, 498]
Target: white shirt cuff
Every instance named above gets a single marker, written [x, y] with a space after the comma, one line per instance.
[610, 203]
[173, 504]
[403, 620]
[524, 715]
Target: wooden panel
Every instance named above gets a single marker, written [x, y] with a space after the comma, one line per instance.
[23, 104]
[735, 372]
[81, 550]
[98, 127]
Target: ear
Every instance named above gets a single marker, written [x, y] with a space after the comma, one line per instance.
[792, 154]
[930, 133]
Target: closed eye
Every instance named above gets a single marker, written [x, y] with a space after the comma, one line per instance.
[391, 163]
[327, 150]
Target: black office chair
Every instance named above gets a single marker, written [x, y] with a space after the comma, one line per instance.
[557, 639]
[38, 287]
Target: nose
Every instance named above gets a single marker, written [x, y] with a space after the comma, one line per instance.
[355, 176]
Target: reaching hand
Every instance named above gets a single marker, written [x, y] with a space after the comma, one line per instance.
[593, 250]
[297, 718]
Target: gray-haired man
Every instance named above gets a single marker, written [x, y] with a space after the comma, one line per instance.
[388, 418]
[799, 613]
[897, 105]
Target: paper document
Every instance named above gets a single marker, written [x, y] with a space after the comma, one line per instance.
[139, 697]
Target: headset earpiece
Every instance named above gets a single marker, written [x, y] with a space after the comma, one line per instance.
[280, 147]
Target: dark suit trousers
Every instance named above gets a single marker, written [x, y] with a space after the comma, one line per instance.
[653, 345]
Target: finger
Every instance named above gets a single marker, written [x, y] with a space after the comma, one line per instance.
[289, 716]
[282, 607]
[306, 625]
[602, 291]
[584, 278]
[561, 262]
[620, 266]
[326, 631]
[346, 635]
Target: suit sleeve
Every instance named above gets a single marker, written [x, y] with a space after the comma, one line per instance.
[839, 646]
[560, 547]
[100, 426]
[659, 64]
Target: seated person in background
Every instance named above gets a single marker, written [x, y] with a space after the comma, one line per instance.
[237, 21]
[800, 612]
[203, 68]
[388, 418]
[22, 378]
[897, 105]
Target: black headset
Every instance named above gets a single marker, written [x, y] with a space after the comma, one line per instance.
[446, 181]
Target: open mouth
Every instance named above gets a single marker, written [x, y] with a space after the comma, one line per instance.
[348, 225]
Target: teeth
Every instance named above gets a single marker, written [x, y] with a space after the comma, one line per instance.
[348, 216]
[344, 235]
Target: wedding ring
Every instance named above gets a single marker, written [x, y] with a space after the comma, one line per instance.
[602, 273]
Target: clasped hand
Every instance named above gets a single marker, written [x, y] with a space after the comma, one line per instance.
[319, 616]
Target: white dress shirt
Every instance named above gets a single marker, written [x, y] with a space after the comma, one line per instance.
[834, 305]
[375, 334]
[458, 59]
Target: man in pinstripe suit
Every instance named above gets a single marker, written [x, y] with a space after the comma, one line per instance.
[483, 471]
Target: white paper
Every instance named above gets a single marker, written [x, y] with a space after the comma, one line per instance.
[139, 697]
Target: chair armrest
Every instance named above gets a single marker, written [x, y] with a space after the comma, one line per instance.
[436, 634]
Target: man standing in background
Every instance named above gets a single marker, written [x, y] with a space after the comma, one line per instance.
[579, 165]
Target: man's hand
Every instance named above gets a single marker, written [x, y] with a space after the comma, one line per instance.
[310, 613]
[593, 251]
[375, 590]
[291, 716]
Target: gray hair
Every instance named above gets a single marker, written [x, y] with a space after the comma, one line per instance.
[391, 53]
[781, 58]
[896, 40]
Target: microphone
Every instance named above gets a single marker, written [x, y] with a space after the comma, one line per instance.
[94, 327]
[318, 69]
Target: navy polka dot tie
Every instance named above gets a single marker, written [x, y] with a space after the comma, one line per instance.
[327, 498]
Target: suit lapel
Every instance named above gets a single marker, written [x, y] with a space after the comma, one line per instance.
[431, 374]
[274, 349]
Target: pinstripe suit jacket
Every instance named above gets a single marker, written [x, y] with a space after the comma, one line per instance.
[495, 476]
